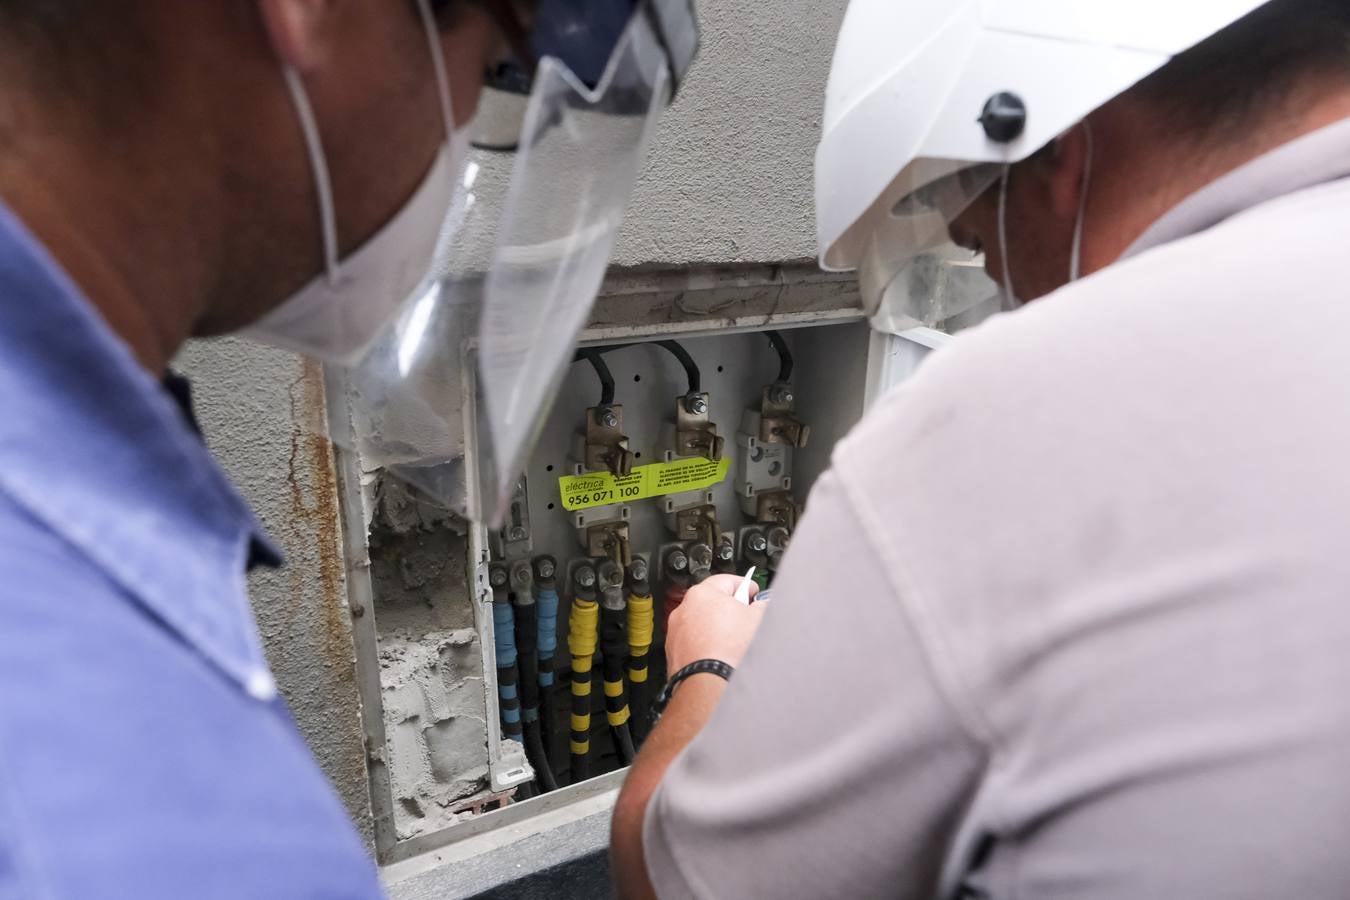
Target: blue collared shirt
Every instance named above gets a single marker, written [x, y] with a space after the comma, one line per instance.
[143, 750]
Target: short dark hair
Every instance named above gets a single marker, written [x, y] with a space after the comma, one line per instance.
[1240, 74]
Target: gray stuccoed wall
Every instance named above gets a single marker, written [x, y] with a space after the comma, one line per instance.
[248, 399]
[728, 181]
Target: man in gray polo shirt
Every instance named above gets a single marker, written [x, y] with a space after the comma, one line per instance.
[1070, 616]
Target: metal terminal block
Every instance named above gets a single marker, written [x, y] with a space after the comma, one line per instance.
[697, 523]
[700, 562]
[724, 554]
[754, 547]
[778, 423]
[638, 571]
[674, 563]
[777, 508]
[610, 576]
[545, 569]
[499, 578]
[583, 577]
[606, 444]
[522, 578]
[514, 540]
[611, 541]
[695, 434]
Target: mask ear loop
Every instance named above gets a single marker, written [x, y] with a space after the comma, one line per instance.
[438, 66]
[1076, 257]
[318, 160]
[318, 164]
[1009, 297]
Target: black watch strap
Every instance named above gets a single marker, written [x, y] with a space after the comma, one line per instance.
[710, 666]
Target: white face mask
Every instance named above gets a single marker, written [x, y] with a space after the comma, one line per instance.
[1010, 300]
[337, 316]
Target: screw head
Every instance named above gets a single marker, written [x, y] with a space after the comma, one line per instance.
[585, 576]
[725, 551]
[1004, 117]
[610, 574]
[517, 533]
[608, 418]
[520, 572]
[757, 542]
[697, 404]
[498, 577]
[701, 556]
[638, 569]
[782, 395]
[545, 567]
[676, 561]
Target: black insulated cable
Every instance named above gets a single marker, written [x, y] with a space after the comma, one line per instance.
[784, 355]
[593, 356]
[527, 657]
[687, 361]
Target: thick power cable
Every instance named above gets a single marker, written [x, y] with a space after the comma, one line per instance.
[523, 604]
[546, 600]
[582, 637]
[784, 355]
[690, 367]
[593, 356]
[641, 625]
[613, 652]
[504, 633]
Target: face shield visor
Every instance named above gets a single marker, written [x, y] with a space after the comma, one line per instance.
[910, 273]
[521, 255]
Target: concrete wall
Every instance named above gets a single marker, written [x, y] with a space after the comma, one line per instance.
[728, 181]
[249, 400]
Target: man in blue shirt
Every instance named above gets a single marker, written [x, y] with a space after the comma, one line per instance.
[173, 169]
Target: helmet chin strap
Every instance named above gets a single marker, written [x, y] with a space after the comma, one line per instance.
[1010, 301]
[1076, 256]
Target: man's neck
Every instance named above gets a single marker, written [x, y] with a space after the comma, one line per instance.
[1144, 173]
[120, 233]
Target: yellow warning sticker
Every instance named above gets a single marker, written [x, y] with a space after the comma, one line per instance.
[654, 480]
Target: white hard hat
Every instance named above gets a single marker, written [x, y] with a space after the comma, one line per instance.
[929, 99]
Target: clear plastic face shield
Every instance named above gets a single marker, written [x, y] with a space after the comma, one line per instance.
[911, 274]
[558, 141]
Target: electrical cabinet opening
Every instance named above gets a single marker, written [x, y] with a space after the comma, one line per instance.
[524, 661]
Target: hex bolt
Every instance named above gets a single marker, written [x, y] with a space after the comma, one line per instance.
[778, 538]
[517, 533]
[498, 577]
[696, 404]
[638, 569]
[608, 418]
[782, 395]
[676, 561]
[701, 557]
[610, 574]
[520, 573]
[584, 576]
[726, 551]
[757, 542]
[545, 567]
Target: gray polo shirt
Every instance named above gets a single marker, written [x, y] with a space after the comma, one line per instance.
[1070, 616]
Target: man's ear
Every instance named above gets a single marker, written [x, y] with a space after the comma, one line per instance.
[297, 29]
[1065, 181]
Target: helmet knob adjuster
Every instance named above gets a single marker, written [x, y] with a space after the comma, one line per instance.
[1004, 117]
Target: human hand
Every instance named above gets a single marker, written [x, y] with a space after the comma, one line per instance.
[711, 624]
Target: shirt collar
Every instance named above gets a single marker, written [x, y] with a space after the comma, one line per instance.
[1316, 158]
[95, 449]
